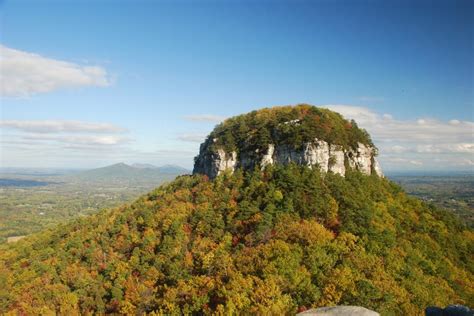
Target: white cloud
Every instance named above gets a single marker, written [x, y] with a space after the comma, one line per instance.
[91, 140]
[60, 126]
[447, 148]
[205, 118]
[385, 128]
[55, 136]
[75, 143]
[468, 162]
[79, 152]
[396, 149]
[360, 114]
[415, 142]
[192, 137]
[403, 161]
[24, 74]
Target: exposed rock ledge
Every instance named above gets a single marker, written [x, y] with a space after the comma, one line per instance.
[340, 311]
[318, 153]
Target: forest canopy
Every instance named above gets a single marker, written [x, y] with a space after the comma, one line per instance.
[288, 125]
[275, 241]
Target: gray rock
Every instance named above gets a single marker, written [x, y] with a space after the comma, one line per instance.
[267, 158]
[212, 163]
[377, 168]
[317, 153]
[336, 160]
[363, 158]
[451, 310]
[340, 311]
[327, 157]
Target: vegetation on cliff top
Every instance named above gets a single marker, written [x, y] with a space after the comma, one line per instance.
[287, 125]
[276, 241]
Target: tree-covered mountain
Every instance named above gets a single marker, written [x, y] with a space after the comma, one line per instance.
[165, 169]
[143, 165]
[272, 240]
[301, 134]
[136, 172]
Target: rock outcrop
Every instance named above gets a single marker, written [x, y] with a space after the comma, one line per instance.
[213, 163]
[339, 311]
[327, 157]
[301, 134]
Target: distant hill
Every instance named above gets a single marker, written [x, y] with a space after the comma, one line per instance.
[165, 169]
[143, 166]
[173, 169]
[136, 172]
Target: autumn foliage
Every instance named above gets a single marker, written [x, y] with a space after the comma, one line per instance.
[276, 241]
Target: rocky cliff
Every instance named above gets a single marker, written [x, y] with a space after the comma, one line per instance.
[216, 156]
[319, 154]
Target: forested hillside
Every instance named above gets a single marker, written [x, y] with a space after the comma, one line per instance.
[274, 241]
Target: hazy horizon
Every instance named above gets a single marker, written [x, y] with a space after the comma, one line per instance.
[387, 172]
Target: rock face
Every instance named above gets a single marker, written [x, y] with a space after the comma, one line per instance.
[319, 153]
[340, 311]
[213, 163]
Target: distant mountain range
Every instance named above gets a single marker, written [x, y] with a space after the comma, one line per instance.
[173, 169]
[143, 166]
[134, 172]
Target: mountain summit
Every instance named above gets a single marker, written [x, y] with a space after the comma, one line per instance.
[302, 134]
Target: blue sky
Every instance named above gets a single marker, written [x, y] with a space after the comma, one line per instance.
[89, 83]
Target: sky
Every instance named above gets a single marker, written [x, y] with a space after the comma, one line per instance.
[86, 84]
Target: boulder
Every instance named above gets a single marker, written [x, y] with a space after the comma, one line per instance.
[339, 311]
